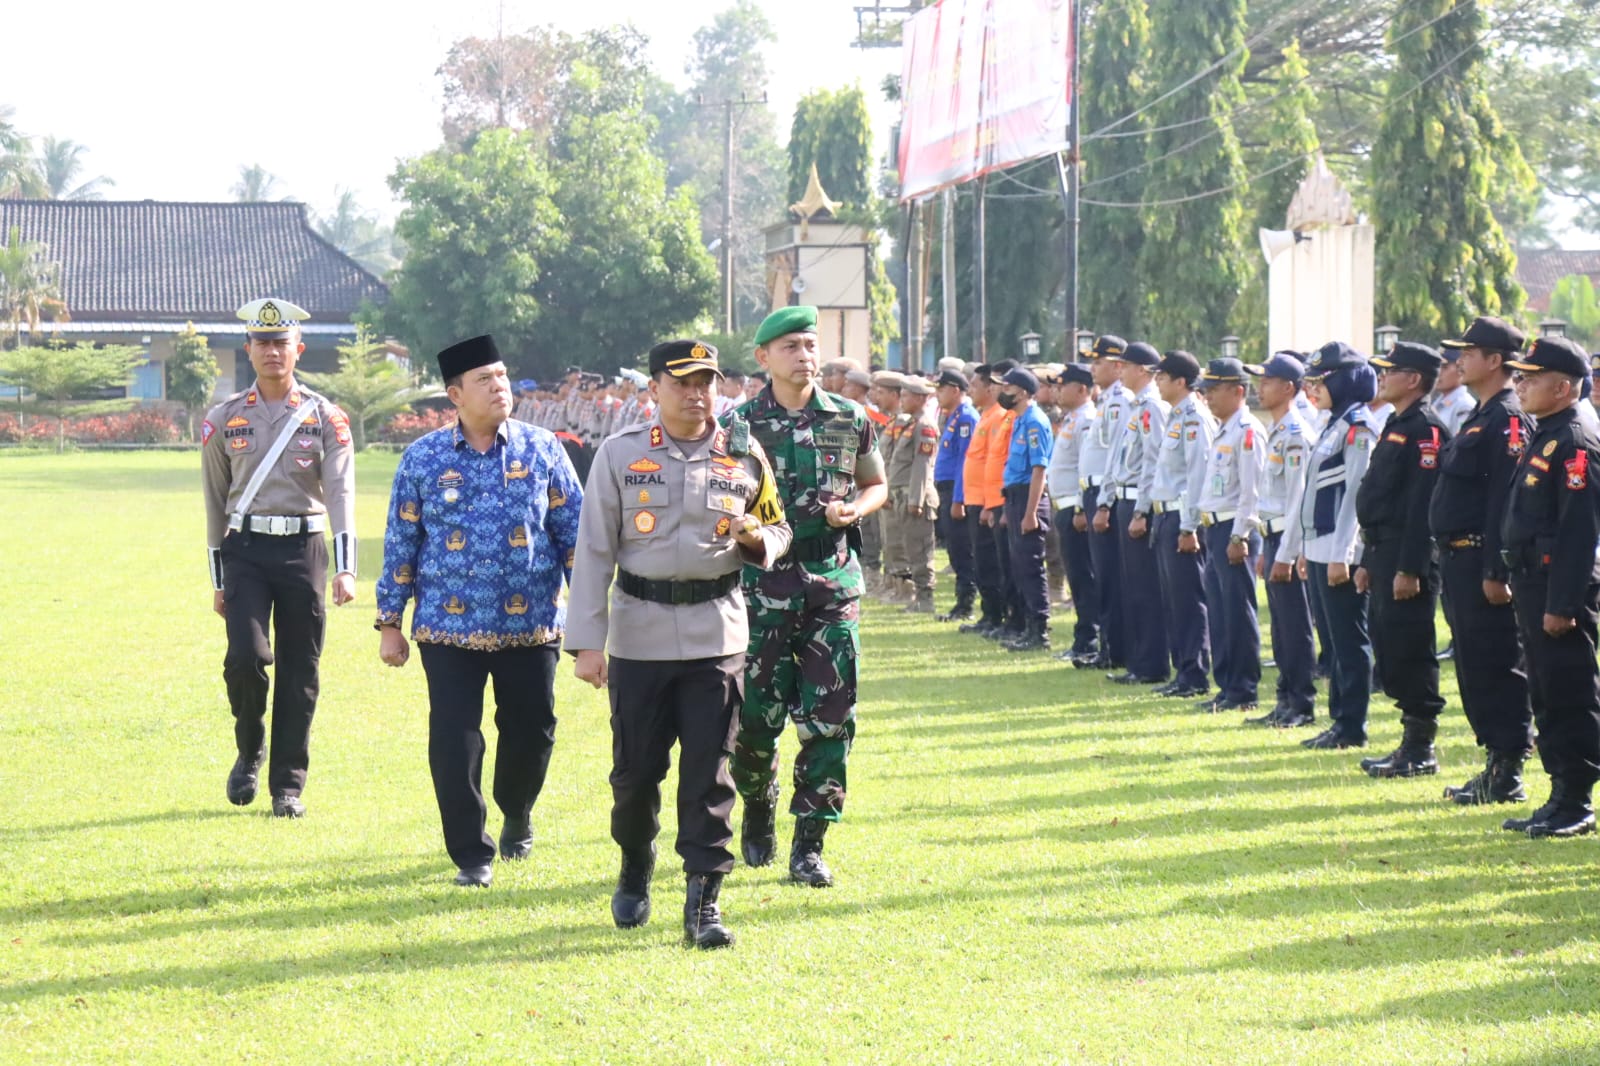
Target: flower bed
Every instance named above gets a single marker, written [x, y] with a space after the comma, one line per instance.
[128, 427]
[407, 426]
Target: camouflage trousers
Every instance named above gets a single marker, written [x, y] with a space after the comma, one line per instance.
[801, 665]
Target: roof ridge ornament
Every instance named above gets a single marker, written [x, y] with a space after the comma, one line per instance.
[1321, 200]
[815, 202]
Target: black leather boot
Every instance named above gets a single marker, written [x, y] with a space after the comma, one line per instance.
[758, 830]
[630, 903]
[702, 918]
[961, 612]
[244, 779]
[1499, 782]
[1414, 757]
[805, 854]
[1558, 798]
[516, 836]
[1572, 817]
[1035, 638]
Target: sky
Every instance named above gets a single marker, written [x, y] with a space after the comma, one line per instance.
[172, 98]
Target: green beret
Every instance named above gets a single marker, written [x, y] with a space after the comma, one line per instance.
[787, 320]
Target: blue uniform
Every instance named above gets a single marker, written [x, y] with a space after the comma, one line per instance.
[1031, 444]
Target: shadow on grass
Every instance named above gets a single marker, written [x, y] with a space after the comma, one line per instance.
[55, 829]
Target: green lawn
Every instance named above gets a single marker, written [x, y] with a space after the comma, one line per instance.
[1032, 869]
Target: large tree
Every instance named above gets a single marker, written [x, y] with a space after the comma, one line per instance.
[369, 387]
[1442, 159]
[1193, 262]
[1113, 84]
[359, 234]
[479, 225]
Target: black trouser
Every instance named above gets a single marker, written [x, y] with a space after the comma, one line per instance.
[1010, 591]
[1343, 612]
[1403, 638]
[1188, 621]
[1105, 552]
[1563, 681]
[281, 579]
[1142, 599]
[1292, 644]
[1488, 654]
[524, 696]
[958, 543]
[986, 570]
[1028, 555]
[696, 703]
[1075, 559]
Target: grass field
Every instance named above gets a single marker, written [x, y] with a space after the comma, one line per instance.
[1032, 869]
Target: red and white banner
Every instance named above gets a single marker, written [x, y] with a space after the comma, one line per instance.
[986, 84]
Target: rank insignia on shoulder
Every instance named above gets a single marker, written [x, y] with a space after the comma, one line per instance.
[657, 437]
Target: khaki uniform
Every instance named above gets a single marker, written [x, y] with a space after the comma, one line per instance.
[911, 485]
[271, 564]
[660, 514]
[896, 442]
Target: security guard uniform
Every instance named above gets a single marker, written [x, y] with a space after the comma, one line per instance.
[1103, 547]
[1064, 480]
[1550, 529]
[1143, 601]
[1476, 471]
[1392, 506]
[1283, 480]
[1178, 469]
[276, 475]
[661, 514]
[1227, 496]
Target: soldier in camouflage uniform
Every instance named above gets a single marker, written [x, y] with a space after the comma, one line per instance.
[803, 612]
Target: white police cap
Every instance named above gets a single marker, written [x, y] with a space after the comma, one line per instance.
[271, 317]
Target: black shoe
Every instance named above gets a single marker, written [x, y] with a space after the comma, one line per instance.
[1211, 706]
[702, 918]
[976, 627]
[475, 876]
[1239, 706]
[630, 903]
[284, 806]
[1188, 692]
[1163, 691]
[1100, 661]
[1331, 739]
[1131, 678]
[1414, 757]
[805, 854]
[1500, 782]
[1271, 718]
[516, 838]
[1035, 638]
[758, 830]
[1296, 719]
[961, 612]
[1571, 820]
[244, 779]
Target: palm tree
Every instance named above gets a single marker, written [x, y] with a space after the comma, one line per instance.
[30, 286]
[60, 164]
[19, 173]
[358, 234]
[255, 185]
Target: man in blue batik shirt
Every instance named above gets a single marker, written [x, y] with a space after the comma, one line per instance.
[482, 525]
[960, 417]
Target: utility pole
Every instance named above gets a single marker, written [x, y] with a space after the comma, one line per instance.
[947, 268]
[1069, 168]
[726, 241]
[980, 277]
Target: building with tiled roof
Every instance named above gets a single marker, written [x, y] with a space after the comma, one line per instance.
[136, 272]
[1540, 270]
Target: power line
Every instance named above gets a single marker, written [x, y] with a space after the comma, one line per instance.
[1436, 72]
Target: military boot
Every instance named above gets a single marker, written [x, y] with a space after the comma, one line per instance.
[758, 830]
[630, 903]
[1572, 817]
[702, 918]
[921, 604]
[1557, 800]
[1414, 757]
[805, 854]
[244, 779]
[1499, 782]
[961, 612]
[1035, 638]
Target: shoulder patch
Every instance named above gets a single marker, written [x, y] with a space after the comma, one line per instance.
[1578, 471]
[206, 429]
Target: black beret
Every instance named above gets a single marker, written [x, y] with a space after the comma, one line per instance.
[1494, 334]
[952, 377]
[467, 355]
[683, 357]
[1408, 355]
[1180, 365]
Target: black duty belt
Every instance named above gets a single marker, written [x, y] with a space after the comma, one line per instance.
[1525, 560]
[677, 593]
[816, 549]
[1461, 541]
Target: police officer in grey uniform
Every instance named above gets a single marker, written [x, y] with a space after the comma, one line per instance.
[675, 507]
[278, 469]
